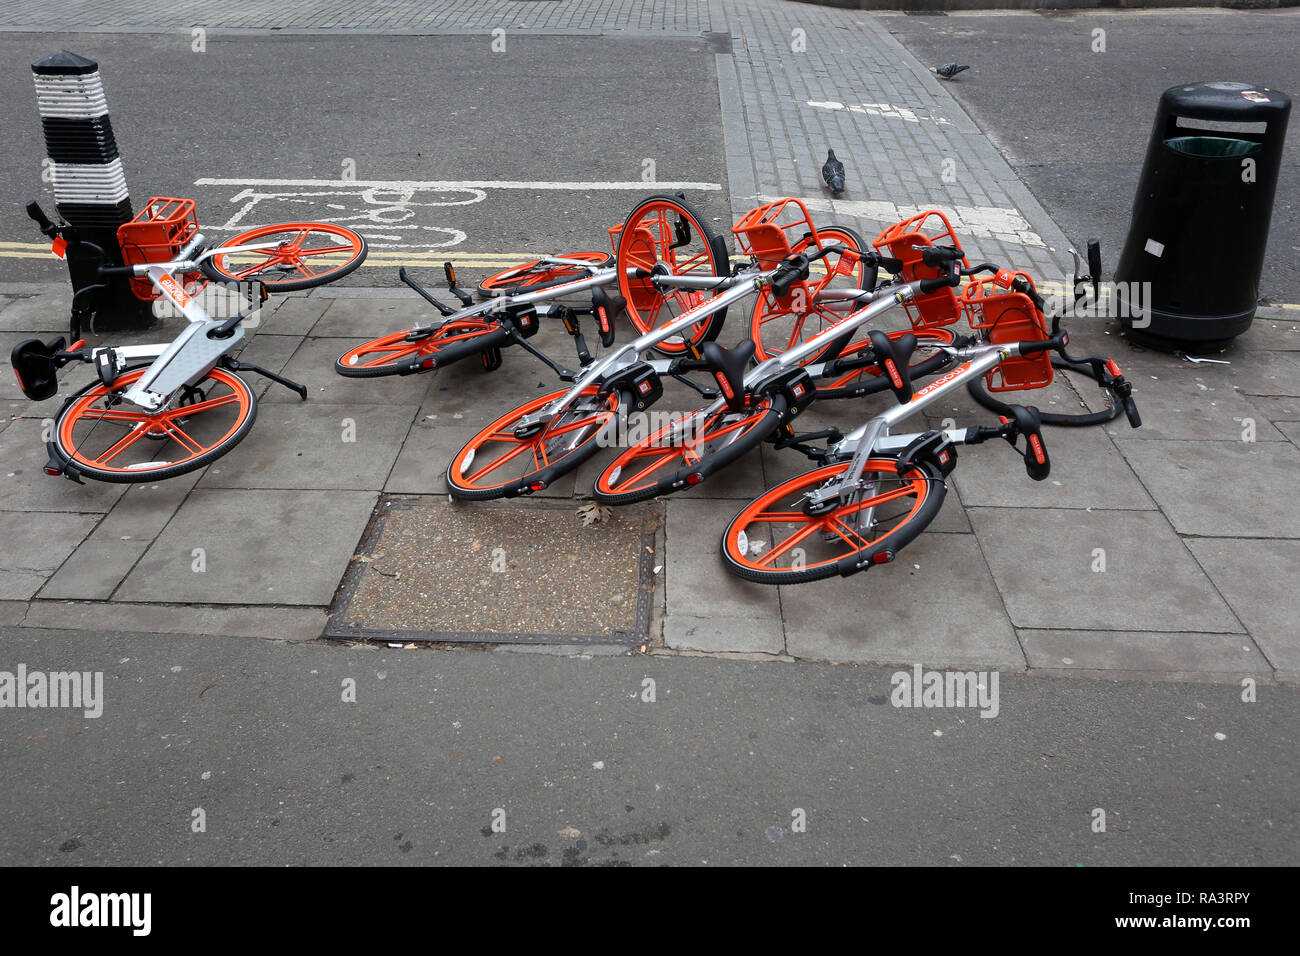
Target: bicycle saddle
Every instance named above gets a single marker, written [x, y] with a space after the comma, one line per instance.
[33, 361]
[895, 356]
[728, 367]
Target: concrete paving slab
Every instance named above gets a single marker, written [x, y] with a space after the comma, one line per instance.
[268, 623]
[11, 410]
[25, 487]
[1087, 472]
[1193, 406]
[1043, 564]
[430, 446]
[35, 545]
[699, 586]
[312, 365]
[1290, 431]
[258, 547]
[1276, 408]
[947, 611]
[12, 612]
[721, 635]
[1275, 335]
[94, 571]
[1144, 652]
[312, 445]
[1258, 579]
[369, 318]
[1266, 373]
[294, 315]
[1193, 482]
[41, 315]
[695, 525]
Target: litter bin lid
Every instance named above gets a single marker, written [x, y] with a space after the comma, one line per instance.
[1226, 100]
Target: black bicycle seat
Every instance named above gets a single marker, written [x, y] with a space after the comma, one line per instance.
[728, 367]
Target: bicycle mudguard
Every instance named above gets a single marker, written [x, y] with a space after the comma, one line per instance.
[33, 362]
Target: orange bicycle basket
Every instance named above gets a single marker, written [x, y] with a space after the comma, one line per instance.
[1008, 316]
[899, 241]
[768, 233]
[157, 234]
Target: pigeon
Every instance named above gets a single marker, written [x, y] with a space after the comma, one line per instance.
[833, 173]
[949, 70]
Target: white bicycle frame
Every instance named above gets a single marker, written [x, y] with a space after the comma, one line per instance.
[193, 353]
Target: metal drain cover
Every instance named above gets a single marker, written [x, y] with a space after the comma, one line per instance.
[526, 571]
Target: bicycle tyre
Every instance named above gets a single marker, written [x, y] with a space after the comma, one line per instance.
[283, 255]
[399, 350]
[546, 469]
[832, 235]
[758, 423]
[985, 398]
[535, 277]
[646, 239]
[64, 448]
[923, 482]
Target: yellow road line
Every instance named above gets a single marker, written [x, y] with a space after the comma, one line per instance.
[387, 258]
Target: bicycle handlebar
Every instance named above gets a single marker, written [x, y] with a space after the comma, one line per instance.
[932, 285]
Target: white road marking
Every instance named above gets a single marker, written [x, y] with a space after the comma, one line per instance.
[887, 110]
[416, 184]
[997, 222]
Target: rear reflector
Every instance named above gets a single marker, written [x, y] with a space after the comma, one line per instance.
[882, 557]
[536, 485]
[694, 478]
[52, 471]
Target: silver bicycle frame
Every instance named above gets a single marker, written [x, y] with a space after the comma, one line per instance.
[734, 289]
[873, 436]
[880, 301]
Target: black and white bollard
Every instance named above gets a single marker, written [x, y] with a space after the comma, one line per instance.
[89, 184]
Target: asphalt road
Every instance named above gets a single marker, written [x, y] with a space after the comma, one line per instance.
[393, 110]
[583, 771]
[1074, 124]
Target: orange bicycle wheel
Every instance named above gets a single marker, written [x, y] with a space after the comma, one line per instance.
[496, 463]
[403, 352]
[685, 451]
[775, 540]
[289, 256]
[539, 274]
[102, 437]
[666, 232]
[775, 328]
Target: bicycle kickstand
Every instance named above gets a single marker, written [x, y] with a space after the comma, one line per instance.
[237, 366]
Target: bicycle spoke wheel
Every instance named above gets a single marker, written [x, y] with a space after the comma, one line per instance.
[290, 256]
[498, 464]
[664, 230]
[103, 437]
[684, 452]
[403, 351]
[775, 328]
[774, 540]
[538, 275]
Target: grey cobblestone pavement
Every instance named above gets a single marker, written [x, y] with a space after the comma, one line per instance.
[1200, 585]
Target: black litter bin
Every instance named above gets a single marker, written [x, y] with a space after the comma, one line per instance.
[1200, 219]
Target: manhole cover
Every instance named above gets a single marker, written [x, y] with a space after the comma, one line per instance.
[512, 572]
